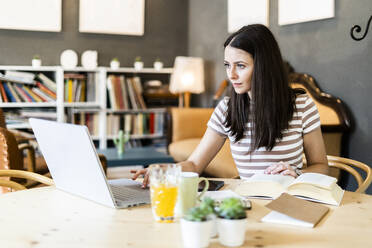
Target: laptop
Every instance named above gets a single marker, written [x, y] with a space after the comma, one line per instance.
[75, 166]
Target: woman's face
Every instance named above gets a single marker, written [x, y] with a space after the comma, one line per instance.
[239, 69]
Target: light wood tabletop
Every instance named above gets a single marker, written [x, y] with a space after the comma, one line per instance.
[47, 217]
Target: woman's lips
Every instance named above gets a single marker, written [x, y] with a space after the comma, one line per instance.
[236, 84]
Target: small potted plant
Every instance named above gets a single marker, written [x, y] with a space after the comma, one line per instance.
[196, 227]
[36, 61]
[231, 222]
[115, 63]
[138, 64]
[158, 65]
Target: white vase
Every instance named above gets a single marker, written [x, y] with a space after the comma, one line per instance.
[138, 65]
[214, 230]
[195, 234]
[231, 232]
[36, 62]
[158, 65]
[114, 64]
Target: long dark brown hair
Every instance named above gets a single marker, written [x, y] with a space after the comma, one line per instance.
[273, 101]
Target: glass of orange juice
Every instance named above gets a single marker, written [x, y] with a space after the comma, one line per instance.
[164, 185]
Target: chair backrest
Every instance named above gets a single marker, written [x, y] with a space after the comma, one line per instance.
[188, 123]
[22, 174]
[10, 155]
[347, 165]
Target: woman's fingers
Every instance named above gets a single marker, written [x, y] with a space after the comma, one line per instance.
[145, 174]
[289, 172]
[277, 168]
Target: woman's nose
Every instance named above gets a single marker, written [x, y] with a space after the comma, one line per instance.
[232, 73]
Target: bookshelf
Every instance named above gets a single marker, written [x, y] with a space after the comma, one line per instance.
[70, 105]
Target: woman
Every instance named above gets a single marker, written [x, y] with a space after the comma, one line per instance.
[269, 125]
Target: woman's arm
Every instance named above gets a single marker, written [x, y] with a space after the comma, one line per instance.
[315, 152]
[207, 149]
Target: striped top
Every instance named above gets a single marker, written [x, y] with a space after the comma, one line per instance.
[289, 149]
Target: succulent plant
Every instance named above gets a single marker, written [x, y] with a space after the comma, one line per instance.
[138, 59]
[115, 59]
[36, 56]
[231, 208]
[202, 212]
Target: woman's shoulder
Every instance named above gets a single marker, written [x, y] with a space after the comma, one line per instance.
[302, 98]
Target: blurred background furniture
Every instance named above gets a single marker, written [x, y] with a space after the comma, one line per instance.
[30, 176]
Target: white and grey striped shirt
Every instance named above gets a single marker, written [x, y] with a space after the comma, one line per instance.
[289, 149]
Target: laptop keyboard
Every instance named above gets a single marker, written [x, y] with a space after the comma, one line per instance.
[129, 192]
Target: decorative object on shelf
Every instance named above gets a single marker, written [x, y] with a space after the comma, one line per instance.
[232, 221]
[89, 59]
[187, 77]
[115, 63]
[138, 63]
[36, 61]
[158, 65]
[358, 29]
[69, 59]
[120, 141]
[196, 227]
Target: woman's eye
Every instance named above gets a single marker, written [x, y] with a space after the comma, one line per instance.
[241, 66]
[226, 65]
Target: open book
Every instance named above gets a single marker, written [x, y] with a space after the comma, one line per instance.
[310, 186]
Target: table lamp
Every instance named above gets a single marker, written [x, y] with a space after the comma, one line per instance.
[187, 77]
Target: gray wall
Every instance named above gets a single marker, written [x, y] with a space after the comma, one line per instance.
[323, 48]
[165, 37]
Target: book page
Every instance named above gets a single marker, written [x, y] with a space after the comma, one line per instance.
[279, 218]
[316, 179]
[264, 186]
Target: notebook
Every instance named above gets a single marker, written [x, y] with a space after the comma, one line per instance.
[75, 166]
[290, 210]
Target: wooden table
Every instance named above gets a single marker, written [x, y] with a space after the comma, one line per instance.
[47, 217]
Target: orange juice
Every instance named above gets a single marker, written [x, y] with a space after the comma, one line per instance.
[163, 201]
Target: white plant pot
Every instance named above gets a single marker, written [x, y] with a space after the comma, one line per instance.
[214, 230]
[231, 232]
[138, 65]
[114, 64]
[196, 234]
[36, 62]
[158, 65]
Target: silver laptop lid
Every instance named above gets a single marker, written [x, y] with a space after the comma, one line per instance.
[72, 159]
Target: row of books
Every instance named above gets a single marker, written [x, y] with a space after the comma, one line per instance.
[125, 93]
[80, 87]
[135, 124]
[42, 89]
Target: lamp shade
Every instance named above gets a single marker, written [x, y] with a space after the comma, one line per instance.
[188, 75]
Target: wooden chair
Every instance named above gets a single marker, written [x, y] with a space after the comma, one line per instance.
[22, 174]
[347, 165]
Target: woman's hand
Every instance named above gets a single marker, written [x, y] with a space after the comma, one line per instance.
[282, 168]
[145, 173]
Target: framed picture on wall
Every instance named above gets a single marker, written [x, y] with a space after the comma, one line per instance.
[244, 12]
[33, 15]
[125, 17]
[297, 11]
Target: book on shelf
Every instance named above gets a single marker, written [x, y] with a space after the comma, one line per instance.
[309, 186]
[3, 94]
[18, 77]
[75, 87]
[49, 83]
